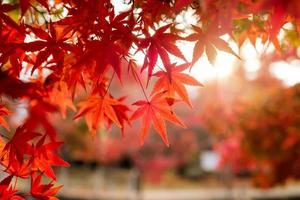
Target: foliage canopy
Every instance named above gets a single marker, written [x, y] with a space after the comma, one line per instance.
[52, 50]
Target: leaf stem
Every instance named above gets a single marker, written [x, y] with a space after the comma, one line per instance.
[109, 84]
[16, 181]
[139, 81]
[143, 89]
[155, 63]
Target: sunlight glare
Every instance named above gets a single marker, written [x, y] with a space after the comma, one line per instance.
[203, 71]
[288, 72]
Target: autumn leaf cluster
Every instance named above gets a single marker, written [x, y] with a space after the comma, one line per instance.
[52, 50]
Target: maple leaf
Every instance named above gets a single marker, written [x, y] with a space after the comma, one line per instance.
[43, 191]
[73, 75]
[121, 110]
[39, 111]
[175, 81]
[49, 44]
[160, 44]
[88, 40]
[209, 42]
[102, 60]
[279, 13]
[15, 88]
[43, 157]
[254, 29]
[222, 13]
[98, 110]
[6, 191]
[61, 97]
[153, 10]
[121, 27]
[10, 52]
[17, 169]
[18, 146]
[155, 111]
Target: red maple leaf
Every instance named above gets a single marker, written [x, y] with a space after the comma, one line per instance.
[160, 44]
[44, 157]
[17, 169]
[102, 60]
[208, 41]
[43, 191]
[152, 11]
[19, 145]
[279, 13]
[7, 192]
[48, 44]
[39, 112]
[121, 110]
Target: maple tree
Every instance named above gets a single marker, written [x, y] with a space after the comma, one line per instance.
[278, 165]
[260, 126]
[52, 50]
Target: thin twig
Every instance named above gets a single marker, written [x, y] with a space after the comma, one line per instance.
[140, 82]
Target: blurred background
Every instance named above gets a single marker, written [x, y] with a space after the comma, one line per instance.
[242, 140]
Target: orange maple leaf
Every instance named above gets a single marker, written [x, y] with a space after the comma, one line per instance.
[175, 81]
[98, 110]
[61, 97]
[156, 111]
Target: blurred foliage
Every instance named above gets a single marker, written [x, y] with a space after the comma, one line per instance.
[259, 121]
